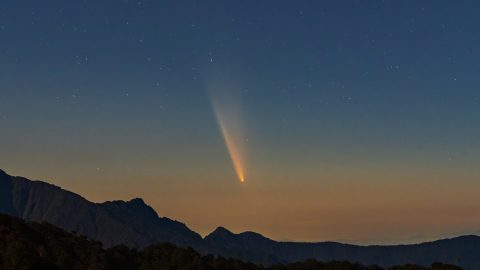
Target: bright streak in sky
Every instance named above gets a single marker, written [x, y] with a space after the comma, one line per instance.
[233, 147]
[226, 104]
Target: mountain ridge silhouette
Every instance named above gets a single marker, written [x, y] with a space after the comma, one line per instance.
[135, 224]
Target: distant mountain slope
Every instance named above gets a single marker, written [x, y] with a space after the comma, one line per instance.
[463, 251]
[136, 224]
[132, 223]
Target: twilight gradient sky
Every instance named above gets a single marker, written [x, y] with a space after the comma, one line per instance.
[358, 120]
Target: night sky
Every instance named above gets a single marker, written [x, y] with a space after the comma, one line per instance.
[355, 121]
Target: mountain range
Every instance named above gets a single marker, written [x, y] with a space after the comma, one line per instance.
[135, 224]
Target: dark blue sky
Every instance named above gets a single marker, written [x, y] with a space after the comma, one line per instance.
[336, 97]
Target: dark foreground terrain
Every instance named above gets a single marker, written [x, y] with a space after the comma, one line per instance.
[43, 246]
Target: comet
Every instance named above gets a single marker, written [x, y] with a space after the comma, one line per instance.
[226, 106]
[233, 148]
